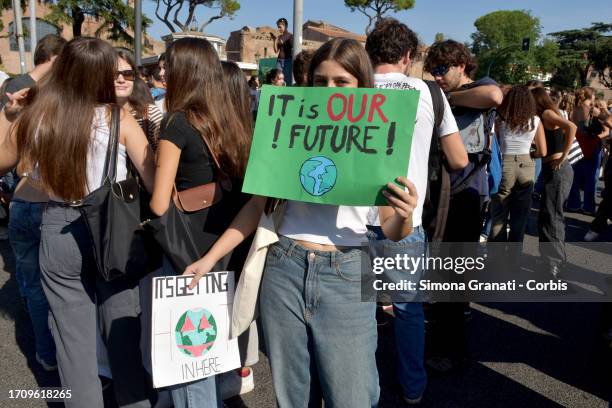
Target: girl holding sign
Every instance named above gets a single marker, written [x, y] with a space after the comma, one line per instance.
[321, 339]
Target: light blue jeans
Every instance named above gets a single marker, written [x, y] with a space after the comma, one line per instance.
[409, 320]
[320, 338]
[197, 394]
[24, 235]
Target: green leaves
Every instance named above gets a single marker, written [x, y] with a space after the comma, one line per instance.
[580, 50]
[116, 17]
[375, 10]
[498, 41]
[169, 12]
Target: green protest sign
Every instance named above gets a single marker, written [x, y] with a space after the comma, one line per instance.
[265, 66]
[330, 145]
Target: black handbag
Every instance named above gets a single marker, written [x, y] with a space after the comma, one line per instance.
[112, 214]
[180, 231]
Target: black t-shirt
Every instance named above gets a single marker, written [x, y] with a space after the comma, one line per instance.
[17, 84]
[286, 48]
[196, 166]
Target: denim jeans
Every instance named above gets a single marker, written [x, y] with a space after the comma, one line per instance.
[320, 338]
[551, 220]
[409, 320]
[538, 175]
[24, 234]
[286, 65]
[586, 176]
[197, 394]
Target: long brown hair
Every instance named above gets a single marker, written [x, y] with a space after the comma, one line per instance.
[240, 93]
[518, 109]
[54, 130]
[543, 101]
[195, 86]
[567, 104]
[350, 55]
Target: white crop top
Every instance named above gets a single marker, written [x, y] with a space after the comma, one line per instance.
[325, 224]
[512, 142]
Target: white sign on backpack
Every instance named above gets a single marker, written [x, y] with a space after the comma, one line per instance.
[190, 328]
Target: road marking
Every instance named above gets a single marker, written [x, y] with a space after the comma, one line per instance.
[545, 385]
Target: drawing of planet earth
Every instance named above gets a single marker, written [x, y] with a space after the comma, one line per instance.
[318, 175]
[195, 332]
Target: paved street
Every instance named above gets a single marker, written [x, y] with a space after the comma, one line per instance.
[523, 355]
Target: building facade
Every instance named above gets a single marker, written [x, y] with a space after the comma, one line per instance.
[250, 44]
[9, 53]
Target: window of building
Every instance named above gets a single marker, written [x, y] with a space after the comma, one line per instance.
[42, 28]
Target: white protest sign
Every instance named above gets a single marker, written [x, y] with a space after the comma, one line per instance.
[190, 328]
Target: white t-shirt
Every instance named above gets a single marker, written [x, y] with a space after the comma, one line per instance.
[516, 142]
[421, 139]
[161, 104]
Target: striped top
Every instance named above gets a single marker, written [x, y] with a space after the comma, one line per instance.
[150, 124]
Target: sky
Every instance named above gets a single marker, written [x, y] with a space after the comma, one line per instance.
[455, 19]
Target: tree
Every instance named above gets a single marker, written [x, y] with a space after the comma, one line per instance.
[583, 50]
[375, 10]
[116, 17]
[497, 44]
[439, 37]
[168, 12]
[546, 56]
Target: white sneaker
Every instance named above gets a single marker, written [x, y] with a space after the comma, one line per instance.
[591, 236]
[232, 384]
[46, 366]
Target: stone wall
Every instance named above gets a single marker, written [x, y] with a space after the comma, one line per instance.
[10, 59]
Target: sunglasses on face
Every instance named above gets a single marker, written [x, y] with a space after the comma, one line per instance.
[440, 70]
[127, 75]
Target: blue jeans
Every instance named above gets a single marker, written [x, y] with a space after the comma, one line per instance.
[586, 176]
[409, 317]
[24, 235]
[197, 394]
[320, 338]
[286, 65]
[538, 176]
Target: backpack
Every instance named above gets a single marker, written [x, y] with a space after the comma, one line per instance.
[437, 196]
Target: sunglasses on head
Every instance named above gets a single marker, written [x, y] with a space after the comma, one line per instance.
[440, 70]
[127, 75]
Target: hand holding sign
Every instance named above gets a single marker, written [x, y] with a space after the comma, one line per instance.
[198, 269]
[403, 202]
[330, 145]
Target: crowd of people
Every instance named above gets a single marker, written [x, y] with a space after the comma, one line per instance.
[189, 122]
